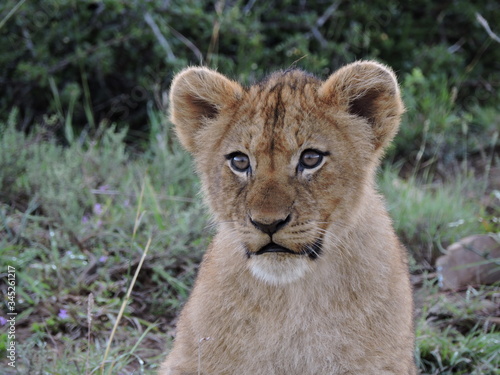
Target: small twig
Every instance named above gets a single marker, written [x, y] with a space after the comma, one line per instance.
[319, 37]
[249, 6]
[161, 39]
[11, 13]
[188, 44]
[487, 28]
[327, 14]
[292, 65]
[454, 48]
[321, 21]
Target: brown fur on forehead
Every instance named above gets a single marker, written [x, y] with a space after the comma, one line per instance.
[276, 108]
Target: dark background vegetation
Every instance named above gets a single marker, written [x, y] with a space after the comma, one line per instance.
[89, 169]
[108, 60]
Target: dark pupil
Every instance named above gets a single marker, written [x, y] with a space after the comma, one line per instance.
[240, 162]
[311, 159]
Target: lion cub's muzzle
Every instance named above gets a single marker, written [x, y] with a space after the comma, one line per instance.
[312, 250]
[280, 249]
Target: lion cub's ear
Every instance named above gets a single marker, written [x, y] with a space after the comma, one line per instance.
[370, 90]
[197, 95]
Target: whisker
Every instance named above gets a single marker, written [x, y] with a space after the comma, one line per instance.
[314, 250]
[337, 241]
[336, 223]
[231, 236]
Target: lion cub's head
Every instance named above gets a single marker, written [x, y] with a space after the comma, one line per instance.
[286, 163]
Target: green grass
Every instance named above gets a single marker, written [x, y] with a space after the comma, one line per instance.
[454, 333]
[429, 216]
[67, 221]
[75, 221]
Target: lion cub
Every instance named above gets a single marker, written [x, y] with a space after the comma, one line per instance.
[305, 275]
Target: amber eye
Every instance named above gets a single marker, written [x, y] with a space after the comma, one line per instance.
[239, 161]
[310, 159]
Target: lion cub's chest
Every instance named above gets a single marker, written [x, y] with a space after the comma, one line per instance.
[289, 331]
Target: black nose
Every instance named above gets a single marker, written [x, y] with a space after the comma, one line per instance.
[270, 228]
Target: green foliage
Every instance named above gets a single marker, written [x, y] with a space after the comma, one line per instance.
[435, 127]
[91, 61]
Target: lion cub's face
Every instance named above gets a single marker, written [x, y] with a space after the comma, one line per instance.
[284, 162]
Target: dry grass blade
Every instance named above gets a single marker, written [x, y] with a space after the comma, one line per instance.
[90, 308]
[487, 27]
[124, 304]
[139, 214]
[11, 13]
[214, 42]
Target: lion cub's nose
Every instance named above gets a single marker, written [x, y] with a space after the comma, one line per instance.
[270, 228]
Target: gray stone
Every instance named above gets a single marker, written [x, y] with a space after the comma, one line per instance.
[474, 260]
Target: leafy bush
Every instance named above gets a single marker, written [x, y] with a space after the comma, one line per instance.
[436, 128]
[107, 59]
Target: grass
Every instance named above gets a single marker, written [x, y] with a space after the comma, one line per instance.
[77, 222]
[74, 222]
[430, 215]
[455, 333]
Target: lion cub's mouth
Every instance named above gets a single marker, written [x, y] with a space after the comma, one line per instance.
[275, 248]
[312, 251]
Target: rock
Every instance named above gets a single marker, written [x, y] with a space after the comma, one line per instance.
[474, 260]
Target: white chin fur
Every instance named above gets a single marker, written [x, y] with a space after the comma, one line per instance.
[278, 269]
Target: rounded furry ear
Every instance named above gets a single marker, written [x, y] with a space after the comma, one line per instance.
[197, 96]
[369, 90]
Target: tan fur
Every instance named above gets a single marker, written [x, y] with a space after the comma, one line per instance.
[347, 311]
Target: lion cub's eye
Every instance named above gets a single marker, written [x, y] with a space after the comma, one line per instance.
[239, 161]
[310, 159]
